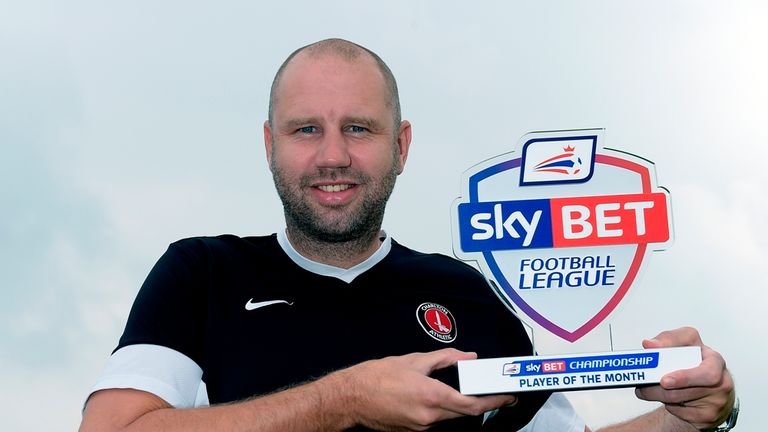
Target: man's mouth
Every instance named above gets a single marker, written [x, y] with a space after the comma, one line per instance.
[334, 188]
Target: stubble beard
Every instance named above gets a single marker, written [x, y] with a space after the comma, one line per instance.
[358, 224]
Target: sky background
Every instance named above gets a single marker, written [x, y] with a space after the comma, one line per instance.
[125, 126]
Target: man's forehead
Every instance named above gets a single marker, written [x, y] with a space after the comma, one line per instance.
[307, 76]
[311, 62]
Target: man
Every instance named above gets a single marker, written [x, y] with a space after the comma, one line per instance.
[313, 328]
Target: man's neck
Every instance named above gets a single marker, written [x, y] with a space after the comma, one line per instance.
[338, 254]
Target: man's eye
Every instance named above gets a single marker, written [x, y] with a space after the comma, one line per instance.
[357, 129]
[307, 129]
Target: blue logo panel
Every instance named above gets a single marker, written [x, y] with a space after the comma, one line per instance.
[505, 225]
[602, 363]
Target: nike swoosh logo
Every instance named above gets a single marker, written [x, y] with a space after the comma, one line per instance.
[250, 305]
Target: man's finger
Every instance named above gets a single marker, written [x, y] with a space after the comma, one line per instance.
[684, 336]
[431, 361]
[476, 405]
[657, 393]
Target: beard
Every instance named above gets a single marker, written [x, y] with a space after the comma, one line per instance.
[335, 224]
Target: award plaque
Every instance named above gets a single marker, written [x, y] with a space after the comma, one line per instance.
[561, 227]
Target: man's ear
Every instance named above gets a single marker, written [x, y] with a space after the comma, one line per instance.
[403, 144]
[268, 143]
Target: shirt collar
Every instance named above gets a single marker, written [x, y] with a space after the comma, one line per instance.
[347, 275]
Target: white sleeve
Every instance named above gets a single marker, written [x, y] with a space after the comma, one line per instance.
[156, 369]
[557, 414]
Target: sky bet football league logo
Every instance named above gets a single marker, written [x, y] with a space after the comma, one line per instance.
[563, 225]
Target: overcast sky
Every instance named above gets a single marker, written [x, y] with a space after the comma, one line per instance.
[127, 125]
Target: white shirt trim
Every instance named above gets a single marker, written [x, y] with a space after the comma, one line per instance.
[156, 369]
[557, 414]
[347, 275]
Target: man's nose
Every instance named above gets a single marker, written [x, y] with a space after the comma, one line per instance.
[333, 151]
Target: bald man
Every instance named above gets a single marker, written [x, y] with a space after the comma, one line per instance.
[313, 328]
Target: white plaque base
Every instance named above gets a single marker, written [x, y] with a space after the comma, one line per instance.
[573, 371]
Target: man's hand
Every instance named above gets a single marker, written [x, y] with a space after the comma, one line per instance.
[702, 396]
[396, 393]
[393, 393]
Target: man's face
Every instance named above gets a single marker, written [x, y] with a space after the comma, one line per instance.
[333, 148]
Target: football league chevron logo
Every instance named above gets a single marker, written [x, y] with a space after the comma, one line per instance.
[563, 226]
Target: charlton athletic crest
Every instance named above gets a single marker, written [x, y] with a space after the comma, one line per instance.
[437, 321]
[563, 225]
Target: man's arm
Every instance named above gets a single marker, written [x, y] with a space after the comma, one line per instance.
[394, 393]
[694, 399]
